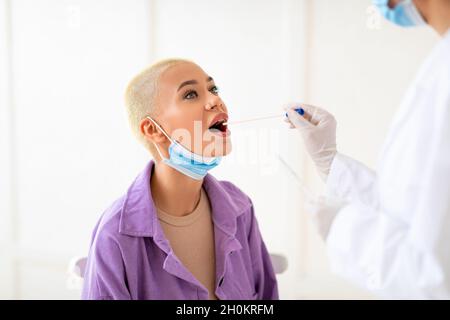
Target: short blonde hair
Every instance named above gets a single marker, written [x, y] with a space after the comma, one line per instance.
[140, 97]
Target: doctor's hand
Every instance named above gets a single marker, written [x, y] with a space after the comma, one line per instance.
[318, 128]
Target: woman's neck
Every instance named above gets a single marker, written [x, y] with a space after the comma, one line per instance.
[174, 192]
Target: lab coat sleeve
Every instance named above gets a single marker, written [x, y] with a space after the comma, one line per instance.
[351, 180]
[393, 258]
[264, 276]
[104, 277]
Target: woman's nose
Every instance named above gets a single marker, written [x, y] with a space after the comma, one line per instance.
[214, 103]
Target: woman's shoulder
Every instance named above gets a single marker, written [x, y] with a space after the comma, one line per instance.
[109, 222]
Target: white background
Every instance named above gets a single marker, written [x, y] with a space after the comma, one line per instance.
[66, 151]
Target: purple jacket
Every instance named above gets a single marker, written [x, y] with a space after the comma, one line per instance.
[130, 258]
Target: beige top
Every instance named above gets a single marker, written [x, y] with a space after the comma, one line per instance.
[192, 239]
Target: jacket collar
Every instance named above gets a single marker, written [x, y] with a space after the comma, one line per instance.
[138, 217]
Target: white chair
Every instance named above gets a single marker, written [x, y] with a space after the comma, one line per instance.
[77, 266]
[279, 263]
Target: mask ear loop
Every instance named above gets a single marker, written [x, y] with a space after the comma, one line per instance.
[173, 141]
[164, 132]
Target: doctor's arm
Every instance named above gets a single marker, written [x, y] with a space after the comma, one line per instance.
[375, 249]
[394, 258]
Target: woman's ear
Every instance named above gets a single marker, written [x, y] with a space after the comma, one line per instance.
[151, 132]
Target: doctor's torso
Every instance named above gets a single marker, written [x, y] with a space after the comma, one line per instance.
[408, 151]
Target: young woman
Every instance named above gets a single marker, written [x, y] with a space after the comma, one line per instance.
[178, 233]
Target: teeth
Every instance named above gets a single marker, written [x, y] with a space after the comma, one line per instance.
[220, 122]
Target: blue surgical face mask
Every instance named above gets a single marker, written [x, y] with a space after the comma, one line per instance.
[404, 14]
[185, 161]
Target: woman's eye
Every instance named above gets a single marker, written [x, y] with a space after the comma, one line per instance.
[214, 90]
[190, 95]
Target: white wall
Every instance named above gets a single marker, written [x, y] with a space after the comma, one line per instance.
[66, 150]
[6, 161]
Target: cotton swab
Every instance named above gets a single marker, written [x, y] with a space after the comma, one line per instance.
[300, 111]
[252, 119]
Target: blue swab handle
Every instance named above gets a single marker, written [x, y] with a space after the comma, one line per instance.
[300, 111]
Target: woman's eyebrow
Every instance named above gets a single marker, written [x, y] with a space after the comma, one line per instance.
[186, 83]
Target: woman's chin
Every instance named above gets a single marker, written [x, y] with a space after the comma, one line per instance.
[220, 149]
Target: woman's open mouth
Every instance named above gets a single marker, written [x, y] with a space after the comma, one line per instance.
[220, 125]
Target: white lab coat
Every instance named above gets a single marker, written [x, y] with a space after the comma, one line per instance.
[393, 235]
